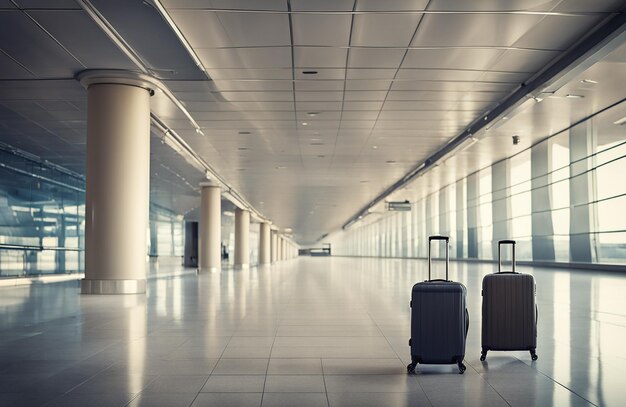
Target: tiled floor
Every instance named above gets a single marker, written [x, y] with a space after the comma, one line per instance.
[307, 332]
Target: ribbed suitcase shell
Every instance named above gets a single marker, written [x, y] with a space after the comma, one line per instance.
[509, 312]
[438, 322]
[439, 319]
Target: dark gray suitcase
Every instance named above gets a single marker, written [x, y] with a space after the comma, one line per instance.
[509, 310]
[439, 319]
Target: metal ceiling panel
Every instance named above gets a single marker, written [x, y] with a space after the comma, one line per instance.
[83, 39]
[368, 84]
[439, 74]
[488, 5]
[319, 85]
[29, 45]
[48, 4]
[202, 29]
[482, 30]
[251, 74]
[557, 32]
[152, 39]
[318, 106]
[360, 115]
[460, 86]
[440, 96]
[267, 5]
[375, 58]
[257, 96]
[371, 73]
[516, 60]
[323, 73]
[255, 29]
[391, 5]
[276, 85]
[10, 69]
[319, 96]
[569, 6]
[320, 57]
[365, 95]
[321, 29]
[354, 105]
[265, 57]
[384, 30]
[455, 58]
[322, 5]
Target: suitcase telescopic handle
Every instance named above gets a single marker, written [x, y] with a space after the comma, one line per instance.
[500, 243]
[446, 239]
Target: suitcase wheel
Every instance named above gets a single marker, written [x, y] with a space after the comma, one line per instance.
[410, 368]
[533, 355]
[461, 368]
[483, 355]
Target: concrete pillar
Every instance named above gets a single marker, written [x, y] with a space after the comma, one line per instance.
[210, 241]
[242, 238]
[281, 248]
[274, 244]
[118, 182]
[265, 256]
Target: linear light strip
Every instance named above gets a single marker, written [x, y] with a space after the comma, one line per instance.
[404, 12]
[105, 26]
[180, 36]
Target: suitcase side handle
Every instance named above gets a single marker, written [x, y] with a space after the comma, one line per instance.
[446, 239]
[505, 242]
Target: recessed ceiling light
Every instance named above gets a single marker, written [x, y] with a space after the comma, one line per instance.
[374, 147]
[621, 121]
[505, 118]
[305, 123]
[316, 139]
[280, 167]
[244, 132]
[309, 72]
[589, 81]
[312, 114]
[574, 96]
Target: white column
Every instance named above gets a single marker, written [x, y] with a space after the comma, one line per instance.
[242, 238]
[210, 241]
[281, 255]
[274, 246]
[118, 182]
[264, 243]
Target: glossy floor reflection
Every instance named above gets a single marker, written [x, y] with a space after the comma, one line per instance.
[307, 332]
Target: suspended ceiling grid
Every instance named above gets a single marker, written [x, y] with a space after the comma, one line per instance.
[395, 80]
